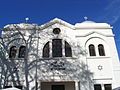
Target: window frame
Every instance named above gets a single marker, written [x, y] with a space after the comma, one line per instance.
[64, 47]
[57, 48]
[92, 51]
[68, 50]
[96, 86]
[46, 54]
[21, 53]
[14, 51]
[101, 50]
[108, 86]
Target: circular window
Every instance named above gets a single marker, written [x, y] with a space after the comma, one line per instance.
[56, 30]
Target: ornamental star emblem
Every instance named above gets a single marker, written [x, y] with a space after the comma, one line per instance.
[100, 67]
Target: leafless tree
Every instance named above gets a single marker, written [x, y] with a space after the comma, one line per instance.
[45, 68]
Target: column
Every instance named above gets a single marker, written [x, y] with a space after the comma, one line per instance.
[102, 86]
[76, 85]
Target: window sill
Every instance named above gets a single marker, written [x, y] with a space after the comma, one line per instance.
[97, 57]
[16, 58]
[57, 58]
[51, 58]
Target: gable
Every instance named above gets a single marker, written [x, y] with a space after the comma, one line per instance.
[56, 21]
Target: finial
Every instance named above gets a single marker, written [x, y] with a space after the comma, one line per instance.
[86, 18]
[26, 19]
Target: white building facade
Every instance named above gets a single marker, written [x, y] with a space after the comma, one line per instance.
[61, 56]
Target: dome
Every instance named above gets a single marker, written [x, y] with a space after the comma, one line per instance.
[88, 21]
[91, 24]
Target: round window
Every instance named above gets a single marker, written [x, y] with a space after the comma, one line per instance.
[56, 30]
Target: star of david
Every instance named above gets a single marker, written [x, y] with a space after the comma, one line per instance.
[100, 67]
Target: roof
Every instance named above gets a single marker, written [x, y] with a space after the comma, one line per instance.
[92, 24]
[21, 26]
[83, 25]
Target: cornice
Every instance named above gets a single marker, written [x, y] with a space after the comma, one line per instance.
[90, 33]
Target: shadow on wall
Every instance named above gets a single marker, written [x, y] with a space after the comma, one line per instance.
[118, 88]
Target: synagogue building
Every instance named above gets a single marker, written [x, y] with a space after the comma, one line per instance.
[60, 56]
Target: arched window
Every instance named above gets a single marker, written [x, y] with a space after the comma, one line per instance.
[92, 50]
[101, 50]
[22, 50]
[57, 48]
[13, 51]
[46, 50]
[68, 51]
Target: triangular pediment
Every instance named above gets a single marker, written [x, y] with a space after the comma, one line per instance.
[58, 21]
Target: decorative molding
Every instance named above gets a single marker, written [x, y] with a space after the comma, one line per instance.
[100, 67]
[103, 79]
[82, 25]
[90, 33]
[54, 21]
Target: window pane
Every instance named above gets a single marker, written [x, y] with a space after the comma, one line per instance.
[108, 87]
[56, 30]
[22, 52]
[46, 50]
[19, 87]
[97, 87]
[101, 50]
[7, 86]
[13, 51]
[68, 51]
[57, 48]
[58, 87]
[92, 50]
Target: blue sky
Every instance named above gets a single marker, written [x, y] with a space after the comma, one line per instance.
[72, 11]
